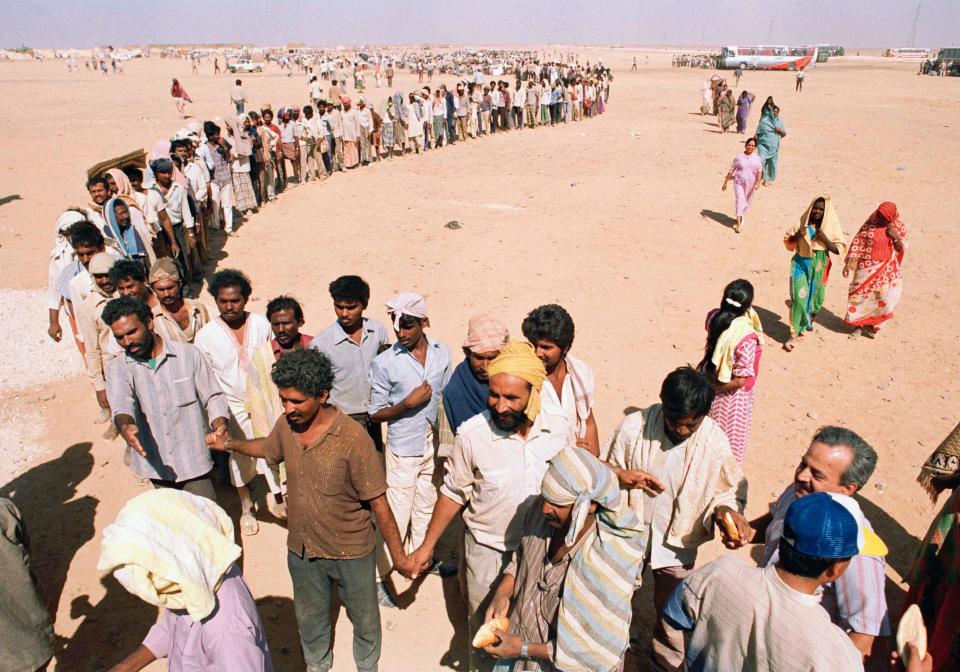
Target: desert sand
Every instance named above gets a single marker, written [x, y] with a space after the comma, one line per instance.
[620, 219]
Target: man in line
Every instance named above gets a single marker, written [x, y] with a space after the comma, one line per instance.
[174, 317]
[216, 157]
[579, 554]
[493, 476]
[238, 96]
[462, 105]
[466, 394]
[351, 344]
[129, 277]
[570, 388]
[335, 481]
[753, 618]
[160, 391]
[310, 134]
[99, 349]
[289, 147]
[228, 342]
[75, 281]
[680, 477]
[99, 190]
[177, 206]
[406, 382]
[263, 402]
[838, 461]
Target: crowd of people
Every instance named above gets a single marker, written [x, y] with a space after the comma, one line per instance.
[558, 527]
[695, 60]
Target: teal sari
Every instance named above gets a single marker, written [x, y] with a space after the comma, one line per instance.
[768, 143]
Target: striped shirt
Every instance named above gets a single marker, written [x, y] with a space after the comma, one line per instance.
[351, 362]
[856, 601]
[394, 374]
[168, 403]
[746, 618]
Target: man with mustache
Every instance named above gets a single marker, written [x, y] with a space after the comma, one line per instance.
[175, 318]
[351, 343]
[335, 480]
[838, 461]
[406, 383]
[228, 342]
[159, 390]
[493, 476]
[99, 350]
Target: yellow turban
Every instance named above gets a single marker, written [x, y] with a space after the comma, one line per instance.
[517, 358]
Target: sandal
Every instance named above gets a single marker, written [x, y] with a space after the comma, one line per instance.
[248, 525]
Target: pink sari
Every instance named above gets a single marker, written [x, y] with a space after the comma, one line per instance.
[877, 283]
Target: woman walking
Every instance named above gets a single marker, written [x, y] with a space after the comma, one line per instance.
[813, 239]
[745, 171]
[732, 361]
[727, 111]
[876, 258]
[744, 102]
[769, 133]
[180, 97]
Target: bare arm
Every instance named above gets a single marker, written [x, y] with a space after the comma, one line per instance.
[443, 513]
[864, 643]
[218, 440]
[387, 525]
[592, 440]
[136, 661]
[734, 384]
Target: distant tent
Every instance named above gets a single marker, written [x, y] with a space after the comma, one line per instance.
[137, 157]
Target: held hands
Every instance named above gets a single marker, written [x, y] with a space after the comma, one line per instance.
[508, 645]
[418, 562]
[130, 433]
[631, 479]
[744, 531]
[217, 438]
[418, 396]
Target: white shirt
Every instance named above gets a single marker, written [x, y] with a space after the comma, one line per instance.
[497, 475]
[566, 405]
[667, 467]
[288, 132]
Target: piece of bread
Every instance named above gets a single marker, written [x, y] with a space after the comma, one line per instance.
[485, 636]
[912, 631]
[730, 526]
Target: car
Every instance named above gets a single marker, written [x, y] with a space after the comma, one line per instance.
[245, 65]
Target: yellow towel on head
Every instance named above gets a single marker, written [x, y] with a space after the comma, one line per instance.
[726, 346]
[797, 237]
[171, 549]
[518, 358]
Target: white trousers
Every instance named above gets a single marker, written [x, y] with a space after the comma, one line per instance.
[411, 494]
[222, 198]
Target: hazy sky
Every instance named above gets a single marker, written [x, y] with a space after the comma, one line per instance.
[876, 23]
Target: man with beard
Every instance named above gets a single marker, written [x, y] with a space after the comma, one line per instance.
[228, 342]
[570, 387]
[160, 391]
[263, 402]
[681, 479]
[129, 277]
[838, 461]
[99, 190]
[493, 476]
[336, 480]
[466, 393]
[99, 350]
[351, 344]
[174, 317]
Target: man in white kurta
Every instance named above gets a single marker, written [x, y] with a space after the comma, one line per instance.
[230, 361]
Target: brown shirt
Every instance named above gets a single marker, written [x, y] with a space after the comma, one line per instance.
[328, 484]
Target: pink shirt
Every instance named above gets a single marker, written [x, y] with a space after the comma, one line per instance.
[231, 638]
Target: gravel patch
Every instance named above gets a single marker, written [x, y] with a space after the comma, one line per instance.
[28, 354]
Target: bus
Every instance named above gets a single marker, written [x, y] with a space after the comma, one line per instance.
[766, 57]
[907, 52]
[830, 49]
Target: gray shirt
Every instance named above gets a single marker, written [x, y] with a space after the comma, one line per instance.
[168, 403]
[351, 362]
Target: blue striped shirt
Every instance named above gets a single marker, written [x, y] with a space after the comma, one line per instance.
[169, 405]
[351, 362]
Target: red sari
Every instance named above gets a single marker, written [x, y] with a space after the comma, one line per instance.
[877, 283]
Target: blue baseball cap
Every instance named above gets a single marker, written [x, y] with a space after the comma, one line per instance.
[828, 525]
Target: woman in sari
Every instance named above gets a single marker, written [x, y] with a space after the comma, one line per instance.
[745, 172]
[876, 258]
[727, 110]
[813, 239]
[731, 359]
[744, 102]
[180, 97]
[126, 231]
[769, 132]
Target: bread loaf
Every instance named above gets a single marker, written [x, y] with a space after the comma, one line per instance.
[485, 636]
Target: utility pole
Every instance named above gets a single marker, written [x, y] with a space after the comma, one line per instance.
[912, 40]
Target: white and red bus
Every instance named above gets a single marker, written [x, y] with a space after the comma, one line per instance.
[766, 57]
[907, 52]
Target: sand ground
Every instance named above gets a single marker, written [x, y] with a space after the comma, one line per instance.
[620, 219]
